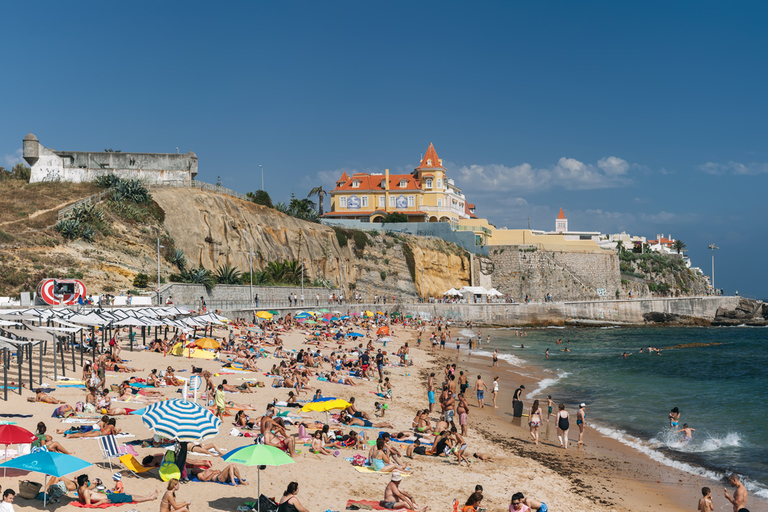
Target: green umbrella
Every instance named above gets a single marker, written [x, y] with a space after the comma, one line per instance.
[325, 311]
[276, 313]
[258, 455]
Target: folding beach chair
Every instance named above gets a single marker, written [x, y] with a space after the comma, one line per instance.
[109, 448]
[133, 465]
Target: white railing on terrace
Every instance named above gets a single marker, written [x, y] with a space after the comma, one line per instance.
[97, 198]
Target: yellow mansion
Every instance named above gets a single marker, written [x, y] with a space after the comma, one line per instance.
[425, 195]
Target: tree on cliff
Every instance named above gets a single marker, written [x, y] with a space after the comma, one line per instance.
[260, 197]
[320, 193]
[395, 217]
[19, 172]
[679, 246]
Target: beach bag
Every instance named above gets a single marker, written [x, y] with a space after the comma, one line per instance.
[358, 460]
[65, 411]
[79, 407]
[266, 504]
[29, 490]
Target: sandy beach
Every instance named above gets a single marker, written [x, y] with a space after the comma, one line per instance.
[604, 475]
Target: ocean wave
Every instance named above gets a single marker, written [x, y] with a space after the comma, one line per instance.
[648, 449]
[698, 444]
[546, 383]
[513, 360]
[467, 333]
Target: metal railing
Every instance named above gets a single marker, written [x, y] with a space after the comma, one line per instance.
[92, 199]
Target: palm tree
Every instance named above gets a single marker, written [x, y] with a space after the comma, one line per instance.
[679, 246]
[319, 192]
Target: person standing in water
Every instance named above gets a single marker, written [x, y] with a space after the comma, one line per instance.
[674, 417]
[687, 433]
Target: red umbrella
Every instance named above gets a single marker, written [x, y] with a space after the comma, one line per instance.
[13, 434]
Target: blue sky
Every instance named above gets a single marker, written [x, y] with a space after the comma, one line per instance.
[645, 117]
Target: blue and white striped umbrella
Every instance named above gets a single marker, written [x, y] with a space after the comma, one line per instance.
[181, 420]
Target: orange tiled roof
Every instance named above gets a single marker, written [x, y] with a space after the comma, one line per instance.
[467, 207]
[561, 216]
[371, 212]
[344, 177]
[662, 241]
[431, 156]
[373, 182]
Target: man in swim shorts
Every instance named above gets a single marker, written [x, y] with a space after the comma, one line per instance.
[522, 504]
[395, 498]
[739, 500]
[480, 387]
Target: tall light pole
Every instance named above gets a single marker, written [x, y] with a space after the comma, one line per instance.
[422, 283]
[341, 275]
[713, 247]
[158, 270]
[302, 282]
[250, 259]
[262, 176]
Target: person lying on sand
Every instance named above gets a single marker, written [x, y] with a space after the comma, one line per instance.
[86, 497]
[198, 447]
[110, 428]
[46, 398]
[229, 474]
[485, 457]
[350, 420]
[45, 442]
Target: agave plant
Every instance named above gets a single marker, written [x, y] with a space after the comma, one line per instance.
[198, 276]
[131, 190]
[178, 259]
[227, 275]
[87, 234]
[69, 228]
[107, 180]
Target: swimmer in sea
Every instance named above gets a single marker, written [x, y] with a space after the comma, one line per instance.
[674, 417]
[546, 354]
[687, 433]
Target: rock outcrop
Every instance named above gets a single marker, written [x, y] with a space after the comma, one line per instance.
[747, 312]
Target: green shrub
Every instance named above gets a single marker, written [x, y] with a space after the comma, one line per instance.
[141, 280]
[383, 275]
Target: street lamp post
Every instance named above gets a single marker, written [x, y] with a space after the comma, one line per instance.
[422, 283]
[262, 176]
[158, 270]
[713, 247]
[302, 282]
[250, 260]
[341, 275]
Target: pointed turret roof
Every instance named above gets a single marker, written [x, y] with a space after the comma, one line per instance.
[344, 177]
[561, 216]
[430, 160]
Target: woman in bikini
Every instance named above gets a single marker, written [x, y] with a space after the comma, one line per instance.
[534, 421]
[351, 420]
[169, 503]
[109, 428]
[229, 474]
[317, 443]
[381, 462]
[170, 378]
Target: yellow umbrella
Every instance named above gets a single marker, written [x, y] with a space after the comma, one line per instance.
[326, 406]
[266, 315]
[207, 343]
[369, 313]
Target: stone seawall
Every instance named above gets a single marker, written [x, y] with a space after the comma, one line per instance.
[656, 311]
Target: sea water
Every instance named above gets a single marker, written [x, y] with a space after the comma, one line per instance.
[720, 389]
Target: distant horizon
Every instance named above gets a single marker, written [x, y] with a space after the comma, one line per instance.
[641, 118]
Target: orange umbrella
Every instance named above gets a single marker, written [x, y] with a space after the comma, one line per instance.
[383, 330]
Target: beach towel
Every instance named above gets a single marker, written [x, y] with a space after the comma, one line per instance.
[194, 479]
[72, 386]
[100, 505]
[369, 469]
[354, 505]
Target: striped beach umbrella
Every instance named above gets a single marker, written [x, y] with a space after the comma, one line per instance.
[181, 420]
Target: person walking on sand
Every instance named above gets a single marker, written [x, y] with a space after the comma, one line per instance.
[495, 391]
[550, 406]
[739, 500]
[495, 357]
[480, 388]
[581, 421]
[562, 426]
[534, 421]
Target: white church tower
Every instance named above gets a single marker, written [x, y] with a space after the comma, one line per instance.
[561, 224]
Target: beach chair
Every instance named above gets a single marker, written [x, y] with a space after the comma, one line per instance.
[133, 465]
[109, 448]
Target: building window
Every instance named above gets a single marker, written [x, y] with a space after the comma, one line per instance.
[392, 201]
[429, 183]
[429, 162]
[343, 201]
[439, 203]
[403, 183]
[439, 183]
[381, 202]
[411, 201]
[355, 184]
[364, 201]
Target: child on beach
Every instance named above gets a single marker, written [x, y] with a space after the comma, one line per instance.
[705, 503]
[118, 478]
[687, 433]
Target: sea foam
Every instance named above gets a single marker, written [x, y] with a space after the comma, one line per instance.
[546, 383]
[513, 360]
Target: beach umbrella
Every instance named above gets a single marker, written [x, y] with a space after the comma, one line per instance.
[337, 312]
[273, 312]
[258, 455]
[302, 316]
[266, 315]
[384, 329]
[310, 322]
[327, 315]
[326, 320]
[334, 319]
[325, 311]
[345, 317]
[355, 314]
[368, 313]
[355, 335]
[13, 434]
[386, 339]
[395, 313]
[207, 343]
[181, 420]
[47, 463]
[408, 316]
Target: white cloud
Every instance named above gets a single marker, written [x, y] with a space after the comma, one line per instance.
[12, 159]
[568, 173]
[736, 168]
[613, 165]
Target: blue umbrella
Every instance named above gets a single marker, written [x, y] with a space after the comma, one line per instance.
[355, 335]
[47, 463]
[181, 420]
[345, 317]
[303, 315]
[334, 319]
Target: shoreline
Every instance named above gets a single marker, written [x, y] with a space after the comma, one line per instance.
[605, 465]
